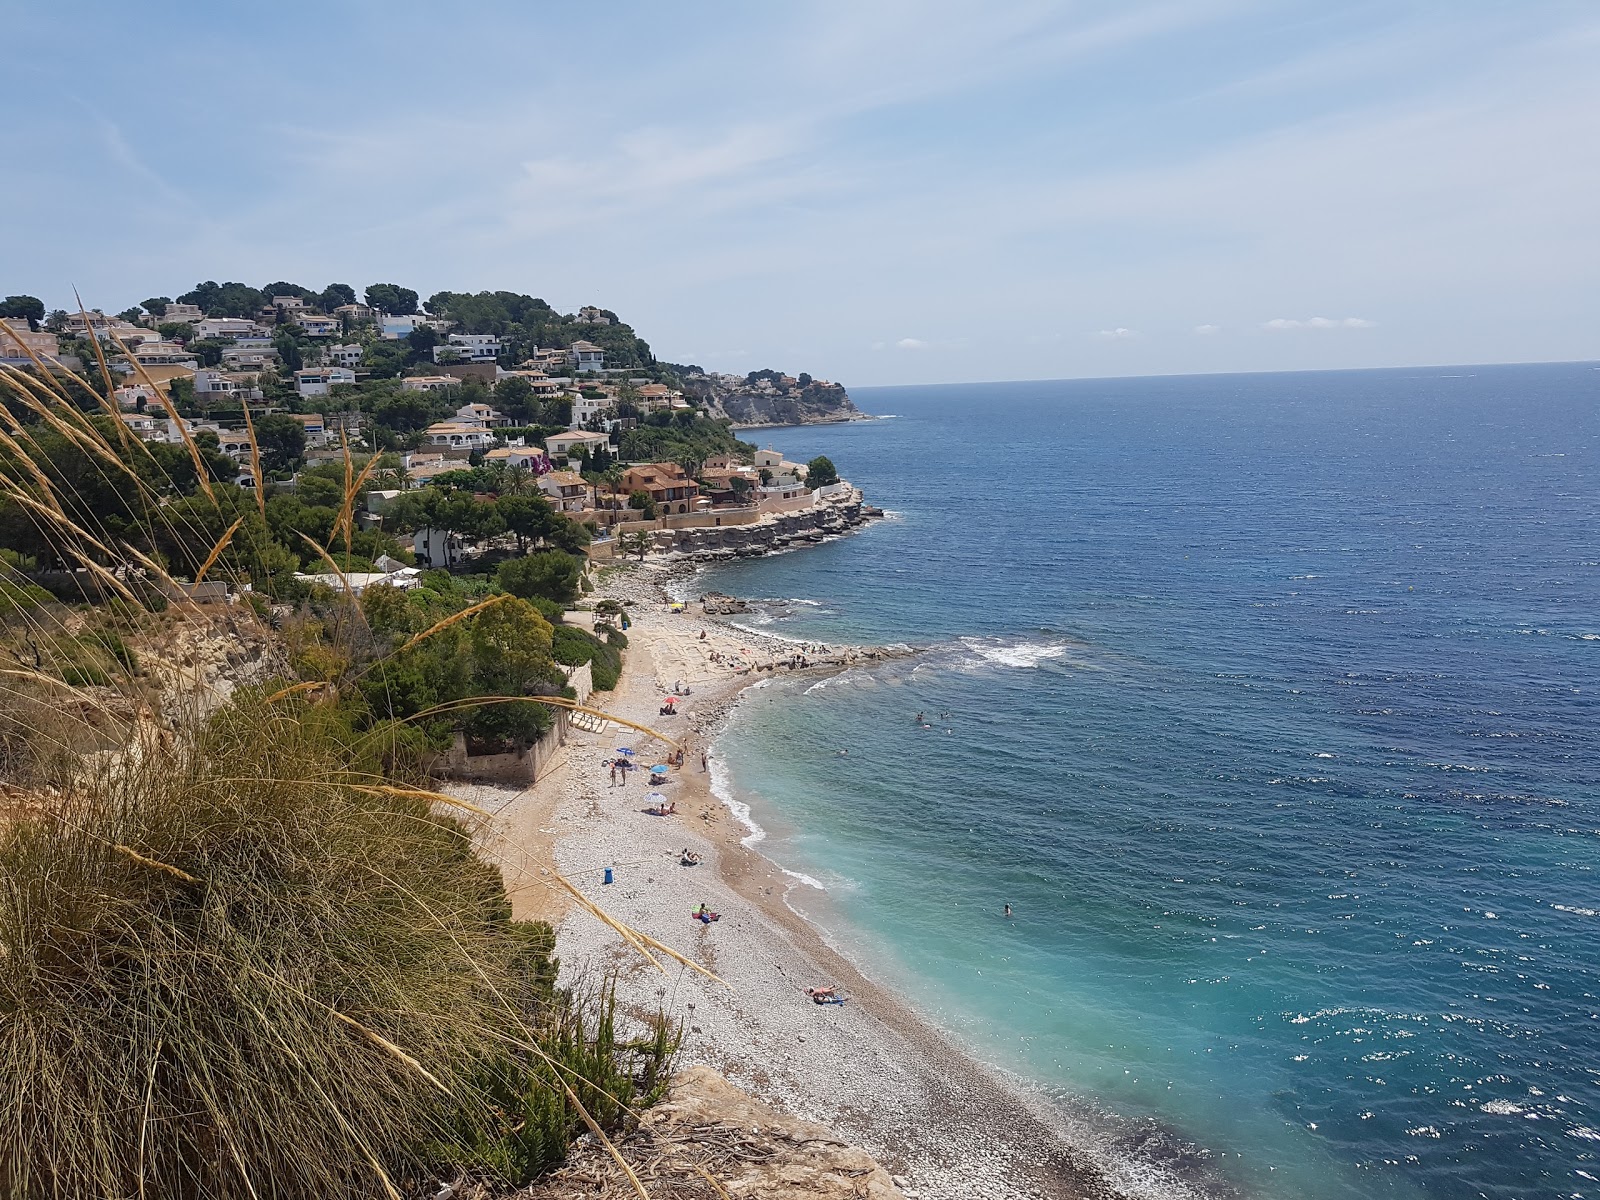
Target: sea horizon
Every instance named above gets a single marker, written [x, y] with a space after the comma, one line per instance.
[1593, 363]
[1219, 684]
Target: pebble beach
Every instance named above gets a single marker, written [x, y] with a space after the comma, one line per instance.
[947, 1127]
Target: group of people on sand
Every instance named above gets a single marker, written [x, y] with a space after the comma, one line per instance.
[667, 808]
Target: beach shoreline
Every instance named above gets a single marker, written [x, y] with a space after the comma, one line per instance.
[872, 1068]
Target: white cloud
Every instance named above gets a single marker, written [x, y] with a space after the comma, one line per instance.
[1207, 330]
[1279, 324]
[1119, 334]
[911, 344]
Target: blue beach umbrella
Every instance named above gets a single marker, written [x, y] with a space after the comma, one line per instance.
[659, 769]
[625, 750]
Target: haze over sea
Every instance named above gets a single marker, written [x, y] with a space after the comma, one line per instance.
[1272, 710]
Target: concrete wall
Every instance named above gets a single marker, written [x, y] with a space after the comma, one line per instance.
[521, 768]
[581, 681]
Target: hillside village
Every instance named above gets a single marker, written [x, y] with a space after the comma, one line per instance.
[484, 397]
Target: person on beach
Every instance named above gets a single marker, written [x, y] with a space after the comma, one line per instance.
[704, 762]
[613, 774]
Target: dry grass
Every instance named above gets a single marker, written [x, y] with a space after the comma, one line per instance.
[236, 959]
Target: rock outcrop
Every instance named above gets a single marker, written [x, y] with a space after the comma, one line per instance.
[821, 520]
[710, 1141]
[772, 399]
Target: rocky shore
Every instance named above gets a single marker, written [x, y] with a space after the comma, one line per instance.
[826, 517]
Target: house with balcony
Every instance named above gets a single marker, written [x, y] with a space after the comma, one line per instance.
[249, 358]
[212, 386]
[315, 425]
[654, 397]
[532, 458]
[468, 348]
[482, 415]
[585, 357]
[227, 328]
[393, 326]
[180, 314]
[588, 408]
[566, 445]
[353, 312]
[347, 354]
[458, 440]
[316, 381]
[428, 383]
[317, 325]
[164, 354]
[16, 339]
[667, 484]
[566, 491]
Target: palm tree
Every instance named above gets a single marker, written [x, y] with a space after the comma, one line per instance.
[518, 479]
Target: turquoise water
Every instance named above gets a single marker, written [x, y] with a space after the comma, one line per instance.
[1272, 712]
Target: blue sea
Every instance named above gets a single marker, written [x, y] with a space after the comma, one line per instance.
[1271, 703]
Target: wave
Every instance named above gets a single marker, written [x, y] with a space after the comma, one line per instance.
[1575, 910]
[722, 789]
[1022, 655]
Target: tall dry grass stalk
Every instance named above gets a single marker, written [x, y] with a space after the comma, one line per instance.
[235, 958]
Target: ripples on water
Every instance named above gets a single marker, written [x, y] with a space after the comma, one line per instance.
[1271, 710]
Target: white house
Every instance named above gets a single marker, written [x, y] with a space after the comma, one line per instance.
[564, 445]
[315, 381]
[347, 355]
[214, 385]
[353, 312]
[288, 304]
[531, 457]
[455, 435]
[227, 328]
[249, 358]
[586, 356]
[393, 327]
[437, 547]
[317, 325]
[315, 426]
[428, 383]
[585, 409]
[469, 348]
[481, 415]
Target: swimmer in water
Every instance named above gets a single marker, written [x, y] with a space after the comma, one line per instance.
[1008, 910]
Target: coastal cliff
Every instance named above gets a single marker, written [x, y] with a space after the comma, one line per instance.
[770, 398]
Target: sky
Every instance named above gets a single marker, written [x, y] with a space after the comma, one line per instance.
[874, 191]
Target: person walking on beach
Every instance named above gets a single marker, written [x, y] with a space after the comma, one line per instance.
[704, 761]
[613, 774]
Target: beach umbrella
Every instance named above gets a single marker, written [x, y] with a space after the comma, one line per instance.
[657, 797]
[659, 769]
[625, 750]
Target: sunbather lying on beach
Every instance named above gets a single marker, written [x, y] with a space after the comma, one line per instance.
[690, 858]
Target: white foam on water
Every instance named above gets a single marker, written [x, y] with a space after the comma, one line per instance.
[802, 877]
[1324, 754]
[1502, 1108]
[722, 789]
[1022, 656]
[1575, 910]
